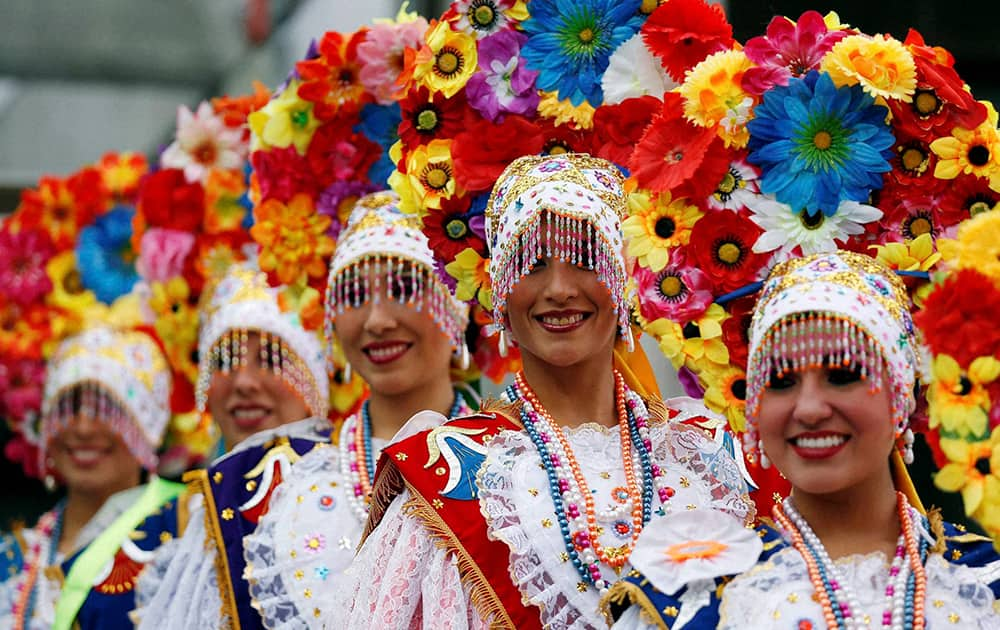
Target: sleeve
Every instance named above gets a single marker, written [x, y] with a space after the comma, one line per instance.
[401, 579]
[976, 552]
[179, 589]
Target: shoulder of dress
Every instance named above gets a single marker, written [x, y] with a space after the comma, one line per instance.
[11, 554]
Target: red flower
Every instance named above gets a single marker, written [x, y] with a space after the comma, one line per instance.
[281, 173]
[958, 318]
[557, 139]
[23, 329]
[722, 244]
[167, 199]
[61, 207]
[617, 128]
[23, 256]
[913, 165]
[483, 150]
[736, 330]
[673, 152]
[337, 153]
[429, 116]
[450, 231]
[332, 80]
[910, 212]
[683, 32]
[235, 109]
[966, 196]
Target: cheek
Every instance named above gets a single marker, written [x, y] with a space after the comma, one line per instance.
[218, 391]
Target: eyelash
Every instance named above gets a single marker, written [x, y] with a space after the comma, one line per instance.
[835, 376]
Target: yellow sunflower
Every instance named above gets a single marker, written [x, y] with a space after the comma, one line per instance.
[714, 96]
[447, 61]
[431, 174]
[176, 323]
[977, 246]
[655, 225]
[971, 467]
[881, 65]
[726, 393]
[562, 112]
[68, 292]
[914, 255]
[472, 272]
[285, 121]
[698, 345]
[971, 151]
[959, 403]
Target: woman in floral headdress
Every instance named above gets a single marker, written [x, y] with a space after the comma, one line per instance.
[400, 330]
[522, 515]
[105, 408]
[832, 369]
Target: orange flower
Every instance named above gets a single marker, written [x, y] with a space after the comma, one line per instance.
[235, 109]
[121, 173]
[61, 207]
[332, 79]
[223, 210]
[293, 238]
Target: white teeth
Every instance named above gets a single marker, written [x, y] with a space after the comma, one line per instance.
[248, 413]
[86, 454]
[380, 354]
[562, 321]
[828, 441]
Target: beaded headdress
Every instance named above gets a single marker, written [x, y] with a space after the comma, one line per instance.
[839, 309]
[118, 377]
[243, 302]
[381, 246]
[567, 206]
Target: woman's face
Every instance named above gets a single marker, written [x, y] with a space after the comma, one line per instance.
[561, 315]
[90, 457]
[251, 398]
[395, 348]
[826, 431]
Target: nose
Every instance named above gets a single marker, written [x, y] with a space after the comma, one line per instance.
[812, 405]
[84, 424]
[561, 284]
[380, 316]
[245, 378]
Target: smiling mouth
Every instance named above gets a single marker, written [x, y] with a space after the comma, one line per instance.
[387, 353]
[818, 446]
[87, 457]
[562, 322]
[249, 417]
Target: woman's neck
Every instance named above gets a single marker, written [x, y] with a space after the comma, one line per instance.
[81, 506]
[860, 520]
[576, 394]
[389, 413]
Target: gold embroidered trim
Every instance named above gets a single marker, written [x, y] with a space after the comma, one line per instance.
[197, 481]
[628, 593]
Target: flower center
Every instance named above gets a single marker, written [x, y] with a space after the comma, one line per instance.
[691, 331]
[448, 62]
[586, 35]
[926, 102]
[427, 120]
[648, 6]
[205, 153]
[300, 118]
[920, 225]
[979, 155]
[128, 255]
[977, 205]
[822, 140]
[729, 252]
[60, 214]
[675, 156]
[811, 221]
[913, 158]
[983, 465]
[671, 286]
[738, 388]
[964, 386]
[665, 227]
[728, 184]
[436, 177]
[483, 16]
[72, 283]
[456, 229]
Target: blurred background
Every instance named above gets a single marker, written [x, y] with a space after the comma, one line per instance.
[78, 79]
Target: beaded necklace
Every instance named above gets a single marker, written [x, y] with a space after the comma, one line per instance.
[50, 525]
[905, 588]
[357, 459]
[571, 495]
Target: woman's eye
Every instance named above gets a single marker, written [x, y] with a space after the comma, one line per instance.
[402, 289]
[538, 265]
[780, 381]
[844, 376]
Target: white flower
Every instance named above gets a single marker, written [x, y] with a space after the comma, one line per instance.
[694, 546]
[738, 188]
[785, 229]
[203, 143]
[633, 71]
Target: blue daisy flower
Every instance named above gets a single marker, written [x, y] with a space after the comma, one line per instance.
[379, 123]
[570, 43]
[245, 200]
[818, 145]
[104, 255]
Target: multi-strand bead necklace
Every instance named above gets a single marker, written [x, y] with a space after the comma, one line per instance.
[357, 461]
[42, 554]
[905, 589]
[571, 495]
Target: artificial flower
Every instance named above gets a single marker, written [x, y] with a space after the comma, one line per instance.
[167, 199]
[459, 224]
[969, 196]
[21, 385]
[162, 253]
[726, 393]
[617, 128]
[634, 72]
[427, 116]
[691, 547]
[379, 123]
[958, 317]
[502, 84]
[737, 188]
[977, 246]
[338, 200]
[430, 173]
[785, 229]
[338, 153]
[680, 294]
[912, 255]
[683, 32]
[444, 63]
[818, 145]
[104, 252]
[558, 139]
[282, 173]
[330, 79]
[913, 164]
[570, 44]
[656, 224]
[472, 273]
[563, 111]
[234, 109]
[176, 323]
[714, 96]
[964, 471]
[381, 55]
[68, 292]
[694, 342]
[121, 173]
[971, 151]
[292, 237]
[483, 18]
[672, 152]
[226, 202]
[287, 120]
[787, 49]
[61, 207]
[880, 65]
[736, 330]
[483, 150]
[722, 244]
[909, 213]
[958, 399]
[23, 256]
[305, 301]
[203, 143]
[25, 331]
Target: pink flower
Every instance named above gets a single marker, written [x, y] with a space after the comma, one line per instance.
[21, 382]
[502, 84]
[788, 50]
[162, 253]
[680, 294]
[381, 56]
[23, 256]
[282, 173]
[203, 143]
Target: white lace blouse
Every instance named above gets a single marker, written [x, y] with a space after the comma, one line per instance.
[401, 579]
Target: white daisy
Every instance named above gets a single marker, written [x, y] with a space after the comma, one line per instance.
[738, 188]
[633, 71]
[203, 143]
[785, 229]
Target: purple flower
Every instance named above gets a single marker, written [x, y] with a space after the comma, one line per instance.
[502, 85]
[337, 201]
